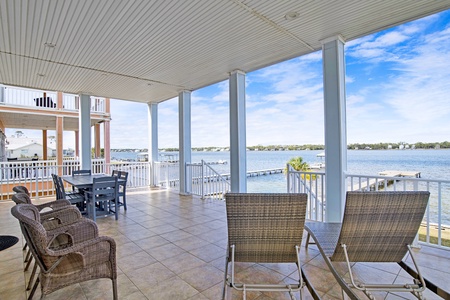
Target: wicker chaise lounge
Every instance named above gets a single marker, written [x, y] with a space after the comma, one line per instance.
[377, 227]
[264, 228]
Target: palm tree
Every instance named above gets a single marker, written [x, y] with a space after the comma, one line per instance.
[298, 164]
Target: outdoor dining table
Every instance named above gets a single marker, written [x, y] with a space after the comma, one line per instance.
[86, 181]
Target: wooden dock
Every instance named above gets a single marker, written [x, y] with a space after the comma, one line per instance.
[257, 173]
[379, 183]
[389, 173]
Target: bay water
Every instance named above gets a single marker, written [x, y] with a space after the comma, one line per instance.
[432, 164]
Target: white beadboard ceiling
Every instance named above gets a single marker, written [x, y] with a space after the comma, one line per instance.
[149, 51]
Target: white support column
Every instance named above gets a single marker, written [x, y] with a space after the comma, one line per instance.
[184, 120]
[335, 126]
[153, 141]
[85, 132]
[238, 146]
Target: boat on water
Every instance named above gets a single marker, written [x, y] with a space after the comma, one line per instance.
[143, 156]
[320, 164]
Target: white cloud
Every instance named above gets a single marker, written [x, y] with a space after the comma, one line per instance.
[285, 101]
[412, 102]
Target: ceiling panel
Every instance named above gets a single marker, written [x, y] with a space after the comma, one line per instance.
[149, 51]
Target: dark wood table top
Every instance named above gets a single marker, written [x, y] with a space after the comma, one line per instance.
[85, 180]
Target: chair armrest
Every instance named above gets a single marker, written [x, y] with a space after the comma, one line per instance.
[54, 205]
[57, 218]
[101, 244]
[80, 231]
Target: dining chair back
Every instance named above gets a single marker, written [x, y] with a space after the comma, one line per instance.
[123, 189]
[73, 197]
[81, 172]
[105, 193]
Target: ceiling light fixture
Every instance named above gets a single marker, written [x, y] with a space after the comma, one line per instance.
[291, 15]
[50, 45]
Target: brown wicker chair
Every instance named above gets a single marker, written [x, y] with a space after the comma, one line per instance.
[46, 209]
[21, 189]
[377, 227]
[56, 214]
[69, 254]
[264, 228]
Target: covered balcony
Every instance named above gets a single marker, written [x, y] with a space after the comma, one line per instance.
[171, 244]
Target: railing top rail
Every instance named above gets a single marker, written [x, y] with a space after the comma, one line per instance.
[306, 172]
[398, 178]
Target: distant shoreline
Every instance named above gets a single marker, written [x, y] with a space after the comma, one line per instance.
[380, 146]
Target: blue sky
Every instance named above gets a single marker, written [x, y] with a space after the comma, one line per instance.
[397, 89]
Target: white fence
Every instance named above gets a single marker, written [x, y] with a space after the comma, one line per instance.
[435, 223]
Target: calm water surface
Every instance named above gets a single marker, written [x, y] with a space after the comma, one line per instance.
[432, 164]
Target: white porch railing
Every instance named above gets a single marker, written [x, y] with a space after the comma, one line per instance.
[434, 223]
[36, 175]
[138, 172]
[27, 97]
[313, 184]
[206, 182]
[166, 175]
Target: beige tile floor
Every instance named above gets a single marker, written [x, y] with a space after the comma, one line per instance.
[173, 247]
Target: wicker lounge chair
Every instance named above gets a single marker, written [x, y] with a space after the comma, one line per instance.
[264, 228]
[69, 254]
[377, 227]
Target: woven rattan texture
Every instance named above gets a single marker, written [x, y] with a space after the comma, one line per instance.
[265, 228]
[378, 226]
[67, 254]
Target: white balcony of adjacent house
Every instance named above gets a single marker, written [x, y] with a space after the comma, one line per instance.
[24, 108]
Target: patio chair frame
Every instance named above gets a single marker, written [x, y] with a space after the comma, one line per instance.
[265, 228]
[377, 227]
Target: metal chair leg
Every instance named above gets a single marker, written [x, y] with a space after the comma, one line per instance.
[30, 282]
[30, 259]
